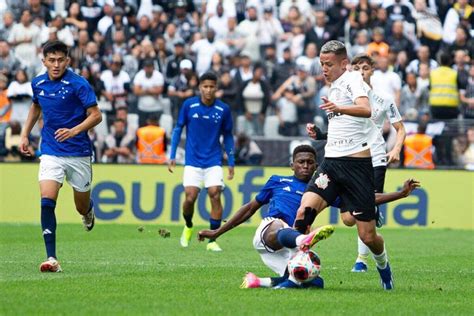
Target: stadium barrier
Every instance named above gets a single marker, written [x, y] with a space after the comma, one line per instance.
[150, 194]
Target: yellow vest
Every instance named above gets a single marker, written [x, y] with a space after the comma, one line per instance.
[150, 145]
[444, 91]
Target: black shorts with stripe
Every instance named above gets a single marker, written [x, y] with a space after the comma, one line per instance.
[351, 179]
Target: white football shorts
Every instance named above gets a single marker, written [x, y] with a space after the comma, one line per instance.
[275, 260]
[77, 170]
[195, 177]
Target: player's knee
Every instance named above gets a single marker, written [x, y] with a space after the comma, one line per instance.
[368, 237]
[214, 195]
[348, 219]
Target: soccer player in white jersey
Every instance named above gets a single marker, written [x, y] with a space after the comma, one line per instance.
[206, 118]
[69, 108]
[382, 108]
[347, 170]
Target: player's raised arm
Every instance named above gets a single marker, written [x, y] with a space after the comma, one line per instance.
[243, 214]
[407, 189]
[33, 116]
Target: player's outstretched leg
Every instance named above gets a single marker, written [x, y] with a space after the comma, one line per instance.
[360, 264]
[290, 238]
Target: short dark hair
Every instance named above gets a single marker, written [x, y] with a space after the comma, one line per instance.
[444, 59]
[363, 57]
[208, 76]
[336, 47]
[304, 149]
[55, 46]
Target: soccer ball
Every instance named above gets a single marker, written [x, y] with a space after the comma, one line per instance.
[304, 266]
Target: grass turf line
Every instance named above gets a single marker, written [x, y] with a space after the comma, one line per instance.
[115, 269]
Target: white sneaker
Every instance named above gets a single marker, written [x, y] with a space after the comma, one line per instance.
[88, 220]
[50, 265]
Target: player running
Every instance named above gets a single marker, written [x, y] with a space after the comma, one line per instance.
[206, 119]
[382, 107]
[274, 240]
[69, 108]
[346, 171]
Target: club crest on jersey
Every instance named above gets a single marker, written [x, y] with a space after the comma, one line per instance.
[322, 181]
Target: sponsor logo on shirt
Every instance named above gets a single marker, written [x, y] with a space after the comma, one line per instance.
[342, 142]
[332, 115]
[219, 108]
[286, 180]
[193, 105]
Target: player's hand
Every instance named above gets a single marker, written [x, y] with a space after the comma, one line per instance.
[207, 233]
[393, 156]
[63, 134]
[409, 186]
[171, 165]
[329, 106]
[231, 173]
[311, 130]
[24, 144]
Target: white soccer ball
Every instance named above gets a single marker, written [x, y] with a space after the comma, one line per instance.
[304, 266]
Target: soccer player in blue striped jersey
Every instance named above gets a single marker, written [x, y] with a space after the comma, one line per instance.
[206, 118]
[69, 108]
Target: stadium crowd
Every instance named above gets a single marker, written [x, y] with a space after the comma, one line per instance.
[144, 57]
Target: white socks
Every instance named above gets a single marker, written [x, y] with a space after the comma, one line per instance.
[265, 282]
[363, 251]
[381, 260]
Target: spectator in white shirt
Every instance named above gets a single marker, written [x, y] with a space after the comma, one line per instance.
[20, 93]
[25, 37]
[205, 48]
[219, 23]
[148, 86]
[385, 81]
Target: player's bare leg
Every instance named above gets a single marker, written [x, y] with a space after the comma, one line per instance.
[191, 194]
[363, 251]
[85, 207]
[49, 190]
[368, 235]
[214, 194]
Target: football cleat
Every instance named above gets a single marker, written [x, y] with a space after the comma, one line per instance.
[88, 220]
[213, 246]
[359, 267]
[316, 236]
[250, 281]
[186, 236]
[50, 265]
[386, 278]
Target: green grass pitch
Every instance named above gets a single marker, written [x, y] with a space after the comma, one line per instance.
[117, 270]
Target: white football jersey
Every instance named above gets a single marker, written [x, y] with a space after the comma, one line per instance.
[347, 134]
[382, 108]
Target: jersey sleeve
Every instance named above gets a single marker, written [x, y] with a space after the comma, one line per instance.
[355, 88]
[86, 94]
[392, 112]
[266, 193]
[34, 98]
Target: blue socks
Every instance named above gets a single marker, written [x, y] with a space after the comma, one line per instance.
[287, 237]
[214, 224]
[48, 225]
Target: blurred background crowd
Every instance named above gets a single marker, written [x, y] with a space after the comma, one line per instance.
[144, 57]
